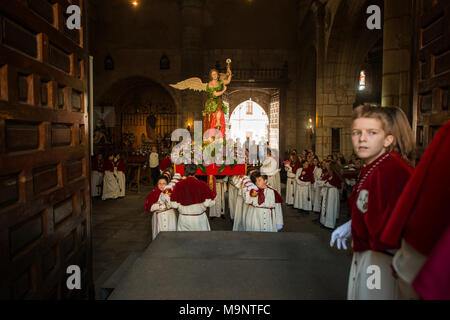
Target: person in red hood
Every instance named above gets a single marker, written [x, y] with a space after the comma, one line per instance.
[420, 224]
[383, 139]
[191, 197]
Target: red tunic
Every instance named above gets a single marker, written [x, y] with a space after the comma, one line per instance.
[432, 282]
[98, 165]
[294, 166]
[306, 175]
[165, 163]
[109, 165]
[262, 197]
[121, 166]
[422, 213]
[191, 191]
[334, 181]
[151, 199]
[373, 199]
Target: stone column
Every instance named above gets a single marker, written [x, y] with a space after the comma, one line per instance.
[192, 58]
[323, 135]
[397, 44]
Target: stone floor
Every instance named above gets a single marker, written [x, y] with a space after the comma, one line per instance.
[121, 227]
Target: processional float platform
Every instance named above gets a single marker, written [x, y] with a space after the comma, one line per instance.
[227, 265]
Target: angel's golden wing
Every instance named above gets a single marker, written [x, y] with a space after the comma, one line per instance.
[191, 83]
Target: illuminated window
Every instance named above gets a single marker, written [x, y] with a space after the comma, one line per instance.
[362, 80]
[249, 107]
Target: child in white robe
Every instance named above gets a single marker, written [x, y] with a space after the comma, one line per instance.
[191, 197]
[111, 189]
[238, 207]
[262, 214]
[232, 195]
[270, 168]
[291, 167]
[331, 200]
[157, 202]
[303, 195]
[316, 188]
[218, 209]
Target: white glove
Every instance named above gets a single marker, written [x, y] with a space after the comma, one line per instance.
[341, 234]
[279, 227]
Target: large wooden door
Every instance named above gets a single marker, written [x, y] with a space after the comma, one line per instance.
[433, 77]
[44, 158]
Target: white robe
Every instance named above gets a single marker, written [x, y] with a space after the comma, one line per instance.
[270, 168]
[193, 217]
[303, 193]
[164, 217]
[122, 184]
[261, 217]
[218, 209]
[240, 208]
[96, 180]
[232, 195]
[358, 279]
[290, 185]
[316, 188]
[111, 189]
[330, 205]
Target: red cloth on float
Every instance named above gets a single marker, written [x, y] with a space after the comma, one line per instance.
[191, 191]
[307, 176]
[262, 197]
[433, 280]
[98, 165]
[151, 199]
[379, 193]
[422, 213]
[214, 123]
[165, 163]
[109, 165]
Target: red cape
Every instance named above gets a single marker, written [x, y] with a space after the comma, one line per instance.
[422, 212]
[165, 163]
[109, 165]
[121, 166]
[262, 198]
[98, 165]
[433, 280]
[309, 176]
[191, 191]
[151, 199]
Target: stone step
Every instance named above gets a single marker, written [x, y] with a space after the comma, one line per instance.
[108, 281]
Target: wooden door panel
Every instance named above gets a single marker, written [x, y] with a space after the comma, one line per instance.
[44, 153]
[433, 76]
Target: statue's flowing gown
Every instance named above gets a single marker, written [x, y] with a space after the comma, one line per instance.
[214, 109]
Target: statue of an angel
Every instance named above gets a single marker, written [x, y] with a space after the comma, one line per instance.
[213, 114]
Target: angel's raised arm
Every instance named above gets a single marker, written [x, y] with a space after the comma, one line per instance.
[195, 84]
[226, 78]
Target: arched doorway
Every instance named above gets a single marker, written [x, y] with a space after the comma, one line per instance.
[145, 114]
[249, 120]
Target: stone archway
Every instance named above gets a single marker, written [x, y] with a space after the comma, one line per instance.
[142, 107]
[249, 119]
